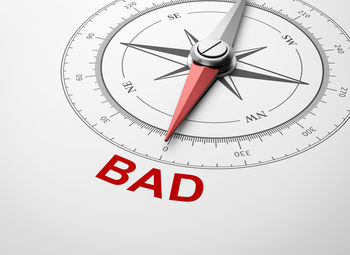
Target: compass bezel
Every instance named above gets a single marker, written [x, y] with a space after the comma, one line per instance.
[234, 139]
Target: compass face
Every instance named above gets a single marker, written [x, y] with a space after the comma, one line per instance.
[124, 69]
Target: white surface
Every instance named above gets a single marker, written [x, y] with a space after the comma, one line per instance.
[51, 203]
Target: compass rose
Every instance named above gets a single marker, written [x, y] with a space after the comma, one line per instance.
[261, 73]
[210, 60]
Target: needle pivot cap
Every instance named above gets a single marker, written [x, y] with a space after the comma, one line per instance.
[213, 53]
[212, 48]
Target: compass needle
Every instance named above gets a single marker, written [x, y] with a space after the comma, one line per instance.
[210, 57]
[198, 81]
[228, 27]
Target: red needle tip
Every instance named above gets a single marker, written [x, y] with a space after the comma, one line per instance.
[198, 81]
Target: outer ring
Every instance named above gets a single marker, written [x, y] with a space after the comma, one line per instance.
[346, 119]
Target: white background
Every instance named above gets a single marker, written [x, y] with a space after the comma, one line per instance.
[51, 203]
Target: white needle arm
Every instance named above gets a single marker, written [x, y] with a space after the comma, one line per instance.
[228, 27]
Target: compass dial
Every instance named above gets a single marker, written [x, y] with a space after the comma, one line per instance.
[124, 69]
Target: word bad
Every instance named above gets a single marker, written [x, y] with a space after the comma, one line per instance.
[113, 166]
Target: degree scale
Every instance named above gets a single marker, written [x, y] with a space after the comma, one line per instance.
[125, 67]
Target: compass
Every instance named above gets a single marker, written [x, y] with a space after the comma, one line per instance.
[284, 92]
